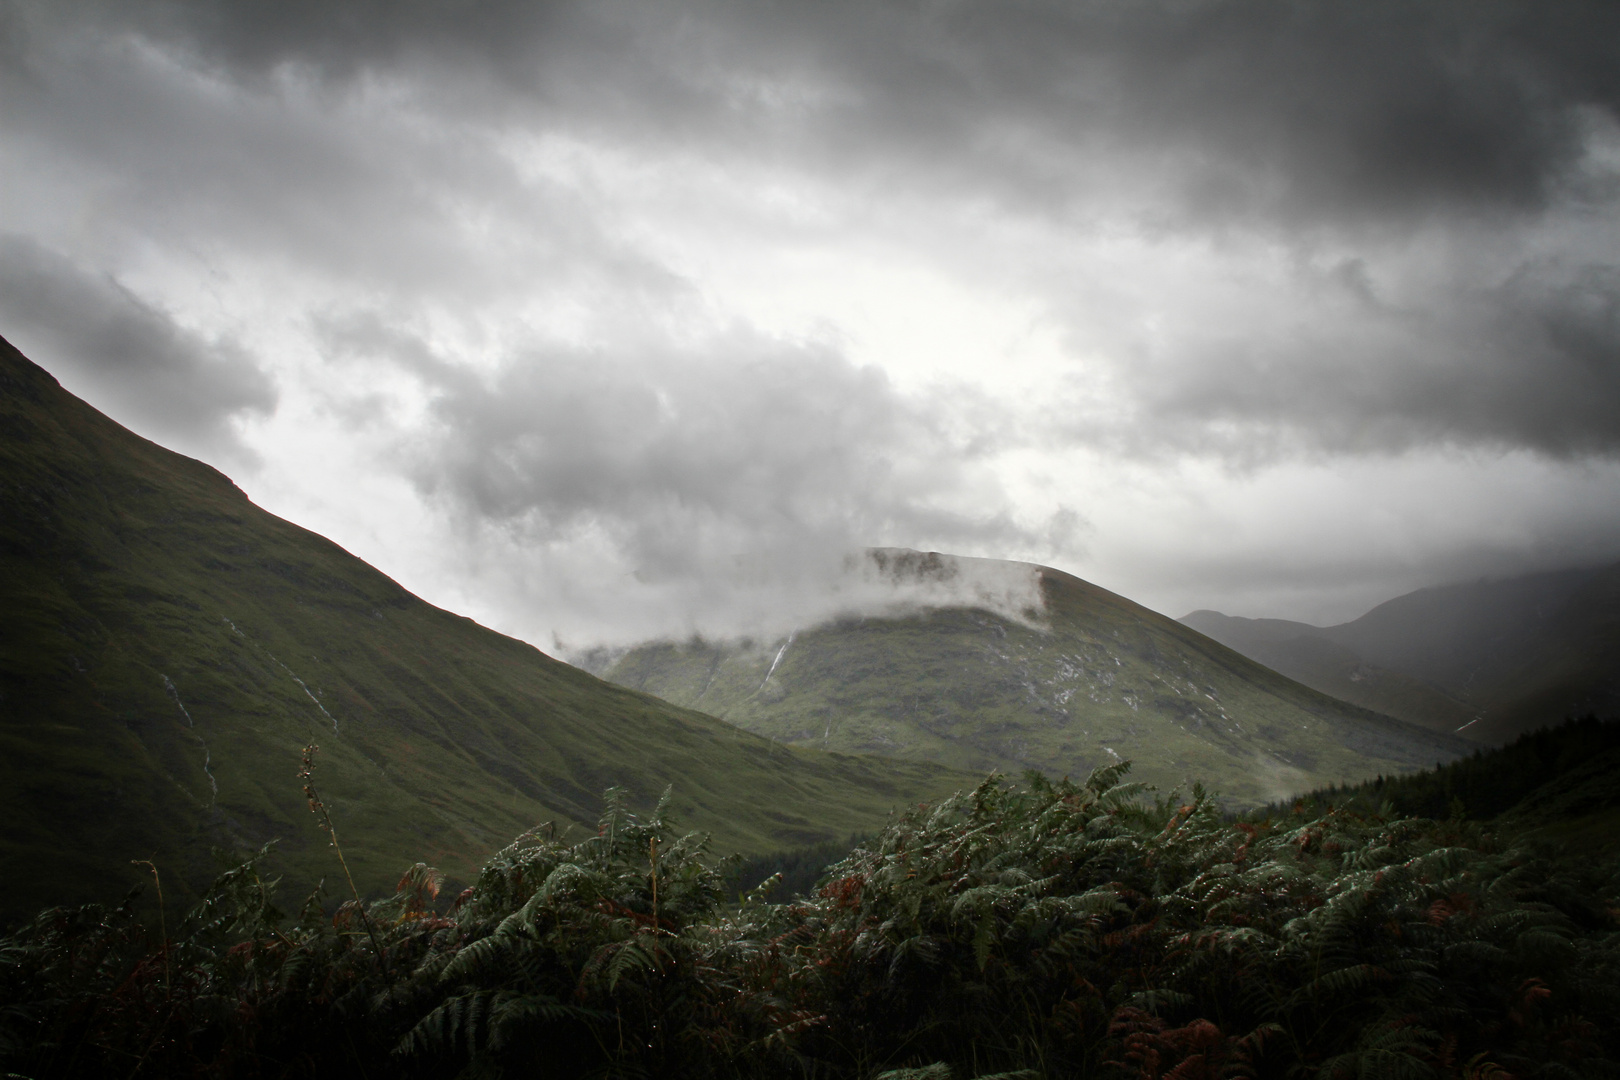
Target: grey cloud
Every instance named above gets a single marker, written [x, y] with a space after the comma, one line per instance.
[746, 465]
[1169, 116]
[1566, 399]
[1187, 115]
[773, 436]
[129, 357]
[1532, 363]
[1499, 522]
[1342, 110]
[1296, 113]
[349, 184]
[346, 37]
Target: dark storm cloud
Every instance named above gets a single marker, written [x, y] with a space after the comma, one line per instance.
[747, 448]
[329, 182]
[1375, 123]
[1367, 120]
[1531, 363]
[1568, 394]
[1340, 110]
[130, 358]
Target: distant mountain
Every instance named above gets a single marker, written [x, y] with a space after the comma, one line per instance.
[1491, 659]
[168, 648]
[1306, 655]
[1087, 679]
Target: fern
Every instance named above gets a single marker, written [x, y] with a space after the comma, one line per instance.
[1057, 929]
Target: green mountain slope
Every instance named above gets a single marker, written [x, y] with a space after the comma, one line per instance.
[1094, 679]
[1501, 657]
[168, 648]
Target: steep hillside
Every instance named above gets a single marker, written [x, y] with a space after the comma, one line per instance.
[1091, 679]
[168, 648]
[1305, 654]
[1492, 658]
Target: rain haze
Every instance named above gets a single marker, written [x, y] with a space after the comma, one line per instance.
[599, 321]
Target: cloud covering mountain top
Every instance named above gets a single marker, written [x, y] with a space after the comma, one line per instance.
[558, 311]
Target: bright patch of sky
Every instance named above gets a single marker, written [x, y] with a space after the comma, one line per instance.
[599, 321]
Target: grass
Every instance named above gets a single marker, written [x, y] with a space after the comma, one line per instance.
[1105, 679]
[169, 649]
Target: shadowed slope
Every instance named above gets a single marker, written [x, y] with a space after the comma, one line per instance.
[1494, 658]
[1306, 655]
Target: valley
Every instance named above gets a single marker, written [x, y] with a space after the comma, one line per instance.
[169, 648]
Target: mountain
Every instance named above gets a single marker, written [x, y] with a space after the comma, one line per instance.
[168, 648]
[1082, 679]
[1306, 655]
[1491, 659]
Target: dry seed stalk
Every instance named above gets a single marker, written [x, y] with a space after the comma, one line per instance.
[318, 808]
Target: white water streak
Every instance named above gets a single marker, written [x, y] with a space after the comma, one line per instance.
[208, 761]
[169, 686]
[779, 654]
[208, 757]
[311, 694]
[302, 685]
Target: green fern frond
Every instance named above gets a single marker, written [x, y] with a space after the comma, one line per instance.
[937, 1071]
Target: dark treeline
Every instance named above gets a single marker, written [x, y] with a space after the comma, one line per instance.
[1482, 786]
[1053, 930]
[797, 870]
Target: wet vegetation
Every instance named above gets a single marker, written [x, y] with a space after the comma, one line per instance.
[1038, 930]
[797, 871]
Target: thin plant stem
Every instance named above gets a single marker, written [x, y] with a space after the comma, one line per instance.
[318, 808]
[168, 984]
[163, 926]
[652, 861]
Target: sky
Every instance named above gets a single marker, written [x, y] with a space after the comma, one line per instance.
[616, 319]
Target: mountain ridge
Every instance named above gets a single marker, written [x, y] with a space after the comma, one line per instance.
[1105, 679]
[170, 647]
[1493, 658]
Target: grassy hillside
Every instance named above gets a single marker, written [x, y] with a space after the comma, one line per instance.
[1095, 679]
[1502, 657]
[168, 648]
